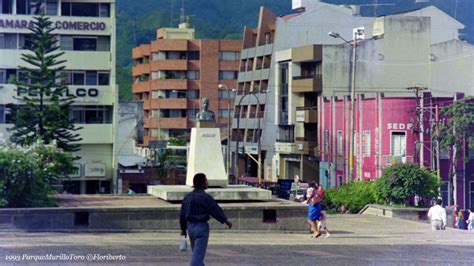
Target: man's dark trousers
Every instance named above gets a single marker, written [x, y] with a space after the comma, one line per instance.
[198, 236]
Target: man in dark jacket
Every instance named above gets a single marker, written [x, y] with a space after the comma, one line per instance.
[196, 209]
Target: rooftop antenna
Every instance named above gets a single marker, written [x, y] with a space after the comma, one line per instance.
[172, 9]
[376, 4]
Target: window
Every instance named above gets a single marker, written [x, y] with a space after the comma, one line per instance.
[155, 113]
[191, 113]
[398, 144]
[229, 55]
[4, 114]
[261, 111]
[25, 41]
[228, 75]
[367, 143]
[85, 9]
[85, 44]
[226, 94]
[104, 78]
[268, 38]
[193, 75]
[92, 114]
[193, 94]
[156, 56]
[158, 94]
[104, 10]
[339, 143]
[30, 7]
[173, 113]
[78, 78]
[3, 76]
[445, 187]
[91, 77]
[8, 41]
[103, 43]
[193, 55]
[6, 7]
[326, 141]
[51, 7]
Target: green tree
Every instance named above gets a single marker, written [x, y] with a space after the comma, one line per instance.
[44, 113]
[401, 181]
[457, 134]
[353, 195]
[29, 174]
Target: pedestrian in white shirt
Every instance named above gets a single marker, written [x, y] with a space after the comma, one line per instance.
[437, 215]
[470, 221]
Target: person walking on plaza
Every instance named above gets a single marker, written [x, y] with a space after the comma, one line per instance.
[196, 209]
[314, 209]
[470, 220]
[437, 215]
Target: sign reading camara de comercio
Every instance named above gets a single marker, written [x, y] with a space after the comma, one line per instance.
[60, 25]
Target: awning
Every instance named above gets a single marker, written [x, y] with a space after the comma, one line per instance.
[130, 160]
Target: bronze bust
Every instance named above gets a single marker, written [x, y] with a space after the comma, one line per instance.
[205, 114]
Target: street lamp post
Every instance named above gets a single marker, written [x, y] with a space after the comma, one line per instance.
[259, 161]
[351, 129]
[229, 134]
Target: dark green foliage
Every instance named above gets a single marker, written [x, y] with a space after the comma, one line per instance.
[353, 195]
[401, 181]
[45, 115]
[459, 127]
[28, 174]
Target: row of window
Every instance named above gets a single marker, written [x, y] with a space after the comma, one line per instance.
[183, 113]
[66, 42]
[50, 8]
[70, 77]
[183, 55]
[175, 94]
[250, 111]
[397, 143]
[94, 114]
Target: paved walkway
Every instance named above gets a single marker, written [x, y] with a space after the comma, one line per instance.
[355, 240]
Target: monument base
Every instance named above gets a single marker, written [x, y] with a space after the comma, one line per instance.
[231, 192]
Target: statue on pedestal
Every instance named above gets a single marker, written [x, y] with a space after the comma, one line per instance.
[205, 114]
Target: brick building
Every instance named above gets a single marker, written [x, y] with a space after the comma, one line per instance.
[172, 74]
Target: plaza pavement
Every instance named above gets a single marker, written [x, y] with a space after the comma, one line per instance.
[355, 240]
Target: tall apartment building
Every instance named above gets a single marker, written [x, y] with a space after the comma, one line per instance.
[86, 33]
[172, 74]
[260, 75]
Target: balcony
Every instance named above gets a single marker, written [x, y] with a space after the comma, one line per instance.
[157, 65]
[307, 84]
[286, 147]
[306, 145]
[307, 53]
[169, 83]
[143, 86]
[169, 103]
[306, 115]
[141, 69]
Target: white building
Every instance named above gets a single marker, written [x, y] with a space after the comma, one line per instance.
[86, 32]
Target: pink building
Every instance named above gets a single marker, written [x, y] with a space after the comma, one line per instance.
[387, 130]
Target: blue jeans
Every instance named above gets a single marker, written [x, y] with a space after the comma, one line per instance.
[198, 236]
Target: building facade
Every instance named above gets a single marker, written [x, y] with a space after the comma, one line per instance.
[86, 33]
[402, 81]
[276, 105]
[175, 71]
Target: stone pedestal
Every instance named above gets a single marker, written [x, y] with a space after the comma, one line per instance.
[205, 156]
[229, 193]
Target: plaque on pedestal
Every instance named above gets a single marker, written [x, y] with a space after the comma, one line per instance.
[205, 156]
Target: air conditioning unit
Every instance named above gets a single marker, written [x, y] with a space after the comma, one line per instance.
[300, 147]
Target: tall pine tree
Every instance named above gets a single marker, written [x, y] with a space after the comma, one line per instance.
[44, 105]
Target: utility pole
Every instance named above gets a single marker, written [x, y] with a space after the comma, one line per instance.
[420, 110]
